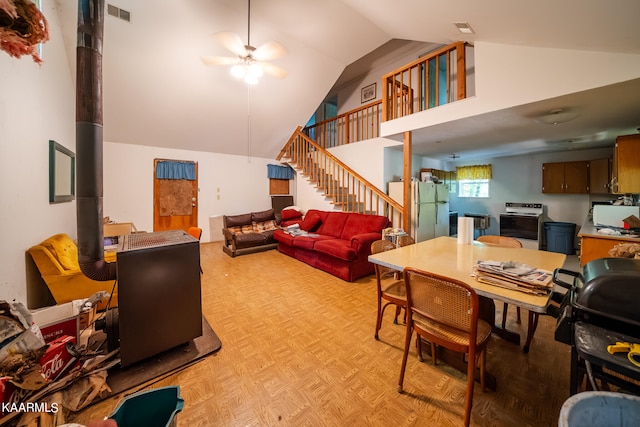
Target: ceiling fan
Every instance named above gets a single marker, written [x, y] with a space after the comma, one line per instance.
[249, 64]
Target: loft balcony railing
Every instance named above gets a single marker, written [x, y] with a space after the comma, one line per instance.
[356, 125]
[435, 79]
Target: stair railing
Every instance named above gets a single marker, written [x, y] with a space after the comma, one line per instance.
[435, 79]
[345, 187]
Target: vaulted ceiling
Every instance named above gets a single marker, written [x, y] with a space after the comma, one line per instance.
[158, 92]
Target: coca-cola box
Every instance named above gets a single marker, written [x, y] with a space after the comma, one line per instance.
[57, 362]
[10, 395]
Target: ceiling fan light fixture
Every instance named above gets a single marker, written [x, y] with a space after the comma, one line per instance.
[255, 69]
[247, 70]
[238, 71]
[251, 79]
[249, 64]
[557, 116]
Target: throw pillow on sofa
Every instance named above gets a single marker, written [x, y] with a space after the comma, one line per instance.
[264, 226]
[289, 214]
[311, 222]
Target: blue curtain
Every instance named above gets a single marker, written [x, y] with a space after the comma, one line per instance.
[279, 172]
[176, 170]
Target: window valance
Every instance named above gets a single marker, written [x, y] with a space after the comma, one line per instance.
[169, 169]
[279, 172]
[473, 172]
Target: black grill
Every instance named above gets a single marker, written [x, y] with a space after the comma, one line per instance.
[601, 307]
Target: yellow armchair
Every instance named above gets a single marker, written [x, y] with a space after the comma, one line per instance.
[57, 261]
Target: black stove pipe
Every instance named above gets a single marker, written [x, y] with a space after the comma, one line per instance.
[89, 142]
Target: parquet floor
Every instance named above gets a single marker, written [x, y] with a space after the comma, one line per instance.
[298, 350]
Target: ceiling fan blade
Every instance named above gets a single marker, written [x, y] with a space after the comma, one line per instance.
[269, 50]
[274, 70]
[219, 60]
[231, 41]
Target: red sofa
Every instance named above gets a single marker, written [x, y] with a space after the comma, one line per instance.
[340, 242]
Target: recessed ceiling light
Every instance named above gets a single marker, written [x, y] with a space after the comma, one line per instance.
[464, 27]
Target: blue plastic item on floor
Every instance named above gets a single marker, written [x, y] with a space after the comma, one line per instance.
[151, 408]
[600, 409]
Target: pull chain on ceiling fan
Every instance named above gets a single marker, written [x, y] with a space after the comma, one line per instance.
[250, 62]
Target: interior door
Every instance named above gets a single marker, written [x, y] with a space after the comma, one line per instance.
[175, 195]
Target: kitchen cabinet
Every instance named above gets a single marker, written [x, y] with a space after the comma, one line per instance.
[565, 177]
[594, 245]
[445, 177]
[599, 176]
[625, 173]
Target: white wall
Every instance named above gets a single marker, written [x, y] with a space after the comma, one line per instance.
[227, 184]
[37, 103]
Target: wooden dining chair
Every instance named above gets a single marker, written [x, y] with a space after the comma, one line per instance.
[405, 240]
[390, 287]
[444, 311]
[506, 242]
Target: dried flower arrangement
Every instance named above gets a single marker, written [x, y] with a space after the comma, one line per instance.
[22, 27]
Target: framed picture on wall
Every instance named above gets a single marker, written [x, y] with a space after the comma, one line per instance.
[368, 93]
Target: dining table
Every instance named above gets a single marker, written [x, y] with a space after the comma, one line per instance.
[447, 257]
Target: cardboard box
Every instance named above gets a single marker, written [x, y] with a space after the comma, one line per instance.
[118, 229]
[86, 318]
[58, 320]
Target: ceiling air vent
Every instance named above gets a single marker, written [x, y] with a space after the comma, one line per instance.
[125, 15]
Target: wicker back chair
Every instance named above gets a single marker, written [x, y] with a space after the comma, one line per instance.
[390, 287]
[506, 242]
[405, 241]
[444, 311]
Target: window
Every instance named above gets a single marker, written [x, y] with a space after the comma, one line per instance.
[473, 188]
[473, 181]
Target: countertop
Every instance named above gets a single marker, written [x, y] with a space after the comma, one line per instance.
[589, 230]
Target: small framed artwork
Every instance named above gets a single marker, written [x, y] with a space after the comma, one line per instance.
[368, 93]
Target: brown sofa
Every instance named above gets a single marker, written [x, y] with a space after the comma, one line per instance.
[339, 242]
[247, 233]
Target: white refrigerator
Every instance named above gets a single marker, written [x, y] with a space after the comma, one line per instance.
[429, 213]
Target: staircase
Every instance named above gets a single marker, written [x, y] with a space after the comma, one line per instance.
[344, 187]
[433, 80]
